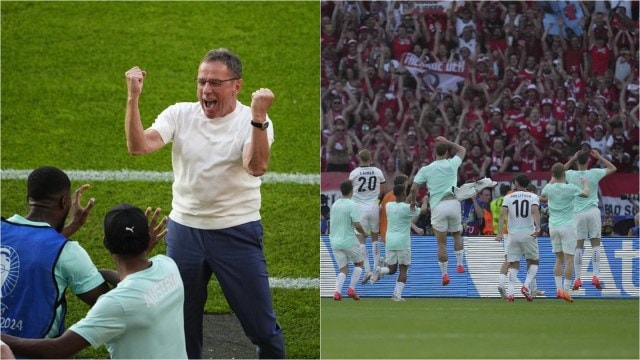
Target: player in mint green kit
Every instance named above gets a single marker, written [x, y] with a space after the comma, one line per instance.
[345, 221]
[562, 228]
[440, 177]
[39, 261]
[142, 318]
[398, 238]
[588, 218]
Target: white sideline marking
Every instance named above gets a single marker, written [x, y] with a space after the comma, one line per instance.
[154, 176]
[294, 283]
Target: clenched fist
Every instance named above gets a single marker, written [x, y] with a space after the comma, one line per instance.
[260, 103]
[135, 77]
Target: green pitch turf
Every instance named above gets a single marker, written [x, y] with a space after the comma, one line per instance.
[479, 328]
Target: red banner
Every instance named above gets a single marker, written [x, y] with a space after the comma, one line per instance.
[441, 76]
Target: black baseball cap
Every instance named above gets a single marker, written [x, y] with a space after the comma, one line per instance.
[126, 230]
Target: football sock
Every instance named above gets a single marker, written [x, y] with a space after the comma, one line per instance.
[340, 281]
[365, 254]
[355, 276]
[534, 284]
[502, 278]
[558, 280]
[443, 267]
[384, 271]
[375, 246]
[596, 261]
[459, 256]
[513, 278]
[567, 284]
[577, 262]
[531, 274]
[399, 289]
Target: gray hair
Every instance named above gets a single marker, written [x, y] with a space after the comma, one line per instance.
[226, 57]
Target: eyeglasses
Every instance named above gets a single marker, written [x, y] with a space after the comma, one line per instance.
[340, 130]
[215, 83]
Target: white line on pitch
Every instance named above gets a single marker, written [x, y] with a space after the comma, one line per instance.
[294, 283]
[154, 176]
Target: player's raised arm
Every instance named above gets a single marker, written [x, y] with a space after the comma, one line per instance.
[256, 155]
[609, 167]
[78, 213]
[139, 141]
[570, 162]
[461, 152]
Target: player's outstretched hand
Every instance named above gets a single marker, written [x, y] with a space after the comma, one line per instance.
[157, 228]
[78, 213]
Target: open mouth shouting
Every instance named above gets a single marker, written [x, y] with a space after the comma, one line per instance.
[209, 107]
[209, 104]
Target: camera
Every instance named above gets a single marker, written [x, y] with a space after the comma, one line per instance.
[544, 211]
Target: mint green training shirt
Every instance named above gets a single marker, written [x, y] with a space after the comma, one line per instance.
[399, 216]
[141, 318]
[344, 212]
[561, 197]
[440, 176]
[593, 177]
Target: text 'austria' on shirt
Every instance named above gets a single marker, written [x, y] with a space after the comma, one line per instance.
[161, 289]
[522, 194]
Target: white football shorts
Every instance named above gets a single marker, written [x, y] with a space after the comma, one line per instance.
[370, 217]
[401, 257]
[563, 239]
[344, 256]
[447, 216]
[589, 224]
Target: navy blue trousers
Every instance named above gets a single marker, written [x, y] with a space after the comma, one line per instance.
[236, 258]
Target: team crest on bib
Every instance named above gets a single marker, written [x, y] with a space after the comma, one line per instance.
[9, 269]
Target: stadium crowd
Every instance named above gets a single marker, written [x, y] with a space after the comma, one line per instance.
[537, 81]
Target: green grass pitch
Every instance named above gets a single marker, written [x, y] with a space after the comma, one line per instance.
[63, 99]
[441, 328]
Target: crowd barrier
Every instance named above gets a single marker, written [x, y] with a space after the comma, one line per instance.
[483, 258]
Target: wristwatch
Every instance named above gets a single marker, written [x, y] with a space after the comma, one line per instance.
[262, 126]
